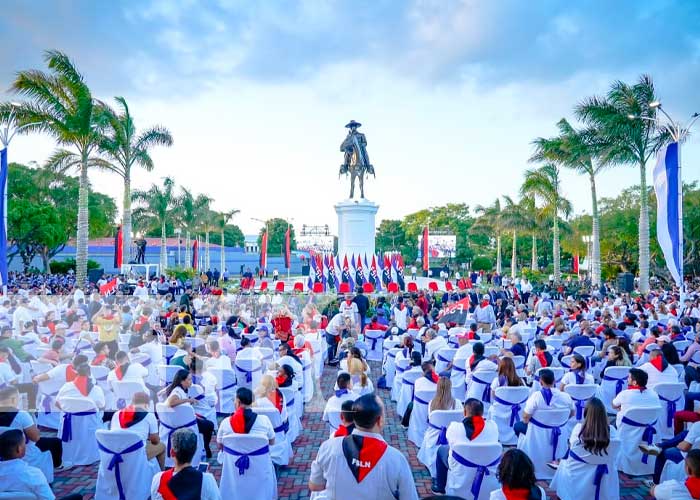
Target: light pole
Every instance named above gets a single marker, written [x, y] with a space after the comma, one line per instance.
[588, 240]
[678, 132]
[7, 133]
[178, 233]
[267, 236]
[284, 250]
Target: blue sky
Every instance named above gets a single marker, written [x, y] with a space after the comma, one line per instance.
[451, 93]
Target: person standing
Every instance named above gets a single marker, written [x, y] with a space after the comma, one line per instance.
[362, 303]
[108, 323]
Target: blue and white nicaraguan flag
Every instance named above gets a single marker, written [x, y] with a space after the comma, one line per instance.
[668, 232]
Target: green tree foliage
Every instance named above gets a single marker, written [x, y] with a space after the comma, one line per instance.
[275, 240]
[233, 236]
[391, 237]
[42, 213]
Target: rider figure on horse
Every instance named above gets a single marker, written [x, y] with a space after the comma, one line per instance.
[356, 162]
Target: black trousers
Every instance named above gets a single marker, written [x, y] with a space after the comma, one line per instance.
[74, 496]
[54, 446]
[441, 466]
[30, 390]
[406, 419]
[206, 428]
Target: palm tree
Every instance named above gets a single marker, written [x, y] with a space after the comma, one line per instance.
[224, 219]
[61, 105]
[208, 220]
[156, 206]
[584, 152]
[532, 220]
[634, 141]
[490, 221]
[125, 148]
[515, 220]
[190, 209]
[544, 183]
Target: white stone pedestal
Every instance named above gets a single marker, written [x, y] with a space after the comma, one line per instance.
[356, 227]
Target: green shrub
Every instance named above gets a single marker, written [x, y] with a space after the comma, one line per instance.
[482, 263]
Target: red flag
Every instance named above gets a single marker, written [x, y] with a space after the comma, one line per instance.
[461, 306]
[195, 253]
[118, 248]
[426, 250]
[109, 287]
[287, 248]
[575, 264]
[263, 251]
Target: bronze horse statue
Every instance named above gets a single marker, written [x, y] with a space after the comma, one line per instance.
[356, 162]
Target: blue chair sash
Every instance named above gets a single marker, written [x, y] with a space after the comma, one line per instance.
[67, 432]
[248, 373]
[283, 427]
[442, 437]
[219, 391]
[117, 458]
[374, 341]
[619, 382]
[600, 471]
[243, 461]
[580, 405]
[47, 400]
[419, 400]
[173, 429]
[443, 358]
[556, 432]
[514, 408]
[481, 471]
[670, 410]
[648, 436]
[146, 362]
[459, 369]
[486, 396]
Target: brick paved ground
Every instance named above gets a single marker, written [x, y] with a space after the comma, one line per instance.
[293, 479]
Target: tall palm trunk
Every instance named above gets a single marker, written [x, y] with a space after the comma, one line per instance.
[533, 264]
[207, 263]
[81, 254]
[498, 253]
[223, 254]
[126, 221]
[163, 250]
[643, 230]
[188, 257]
[555, 248]
[514, 257]
[595, 243]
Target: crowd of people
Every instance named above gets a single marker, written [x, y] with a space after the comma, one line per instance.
[521, 387]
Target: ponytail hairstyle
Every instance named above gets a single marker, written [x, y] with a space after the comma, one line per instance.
[84, 371]
[179, 377]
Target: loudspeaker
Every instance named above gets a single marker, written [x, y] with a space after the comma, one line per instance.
[625, 282]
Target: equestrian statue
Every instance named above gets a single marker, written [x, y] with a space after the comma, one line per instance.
[356, 162]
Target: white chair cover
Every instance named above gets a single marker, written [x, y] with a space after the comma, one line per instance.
[375, 340]
[408, 380]
[638, 426]
[39, 367]
[99, 374]
[457, 377]
[402, 364]
[333, 421]
[418, 422]
[248, 372]
[506, 409]
[390, 367]
[580, 393]
[444, 357]
[480, 387]
[290, 395]
[79, 422]
[225, 389]
[48, 414]
[308, 371]
[438, 421]
[318, 345]
[672, 399]
[168, 352]
[166, 373]
[476, 475]
[206, 405]
[125, 472]
[268, 356]
[519, 362]
[124, 391]
[281, 452]
[544, 440]
[587, 476]
[247, 468]
[558, 375]
[613, 381]
[172, 419]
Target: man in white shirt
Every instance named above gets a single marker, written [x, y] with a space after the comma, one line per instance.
[342, 394]
[244, 420]
[399, 314]
[141, 292]
[129, 372]
[472, 429]
[183, 480]
[433, 343]
[547, 398]
[484, 315]
[217, 360]
[339, 471]
[658, 369]
[21, 315]
[138, 418]
[687, 490]
[16, 476]
[635, 396]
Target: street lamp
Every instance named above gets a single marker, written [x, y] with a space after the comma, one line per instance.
[678, 132]
[178, 233]
[266, 232]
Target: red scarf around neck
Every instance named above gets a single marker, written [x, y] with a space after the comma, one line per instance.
[278, 401]
[658, 363]
[431, 375]
[163, 487]
[636, 388]
[542, 359]
[130, 416]
[478, 424]
[70, 373]
[81, 382]
[281, 380]
[693, 485]
[348, 303]
[242, 420]
[98, 359]
[484, 303]
[118, 372]
[515, 494]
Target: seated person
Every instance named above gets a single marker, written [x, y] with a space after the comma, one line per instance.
[516, 473]
[347, 423]
[689, 489]
[548, 397]
[342, 394]
[138, 418]
[184, 481]
[244, 420]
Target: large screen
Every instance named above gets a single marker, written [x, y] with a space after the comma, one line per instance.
[315, 242]
[440, 246]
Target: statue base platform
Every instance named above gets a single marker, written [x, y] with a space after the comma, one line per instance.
[356, 227]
